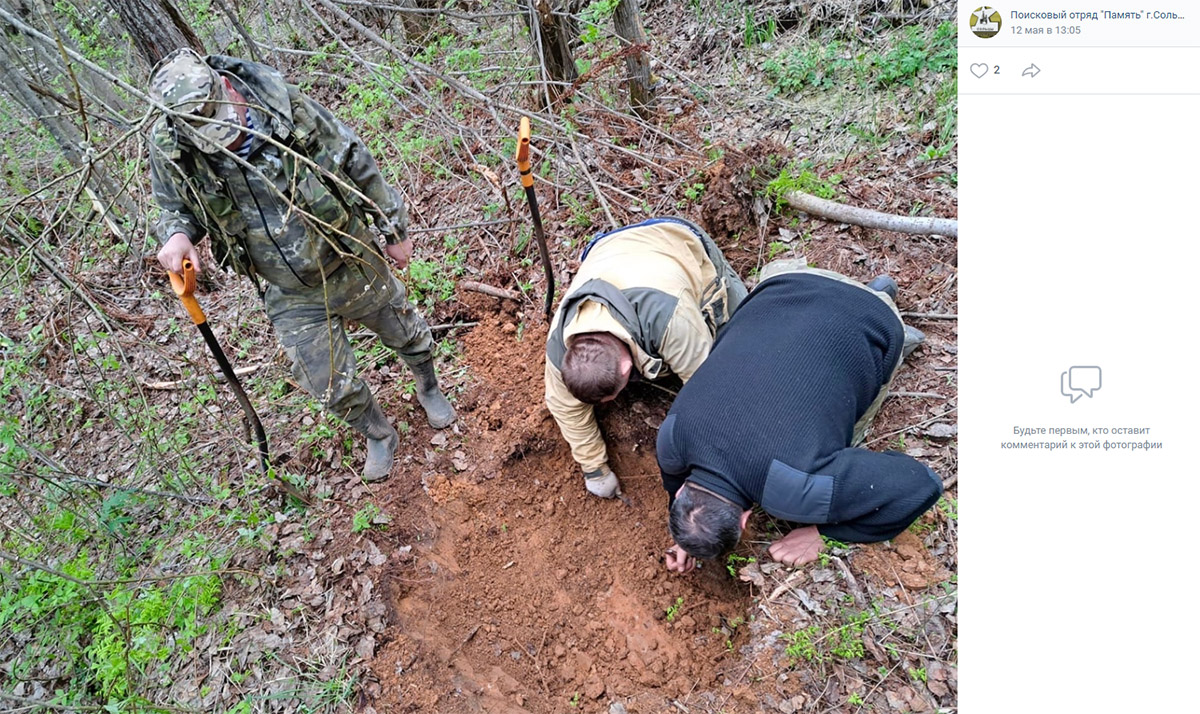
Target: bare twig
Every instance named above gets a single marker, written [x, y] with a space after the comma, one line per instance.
[451, 326]
[180, 383]
[931, 315]
[930, 420]
[465, 226]
[465, 640]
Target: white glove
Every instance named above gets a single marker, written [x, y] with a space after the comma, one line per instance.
[602, 482]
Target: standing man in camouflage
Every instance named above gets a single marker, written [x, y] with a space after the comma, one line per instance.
[283, 190]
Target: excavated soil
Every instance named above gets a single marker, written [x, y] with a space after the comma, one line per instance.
[525, 593]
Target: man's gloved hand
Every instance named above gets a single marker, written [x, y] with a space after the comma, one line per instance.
[602, 482]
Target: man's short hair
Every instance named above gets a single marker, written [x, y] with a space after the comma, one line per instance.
[703, 525]
[591, 367]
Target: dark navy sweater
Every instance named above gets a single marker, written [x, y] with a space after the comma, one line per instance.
[769, 417]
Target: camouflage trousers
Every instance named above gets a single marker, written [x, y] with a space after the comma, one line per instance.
[791, 265]
[311, 326]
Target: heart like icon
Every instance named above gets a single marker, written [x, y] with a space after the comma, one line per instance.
[979, 69]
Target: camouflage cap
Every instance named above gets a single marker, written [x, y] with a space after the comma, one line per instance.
[183, 81]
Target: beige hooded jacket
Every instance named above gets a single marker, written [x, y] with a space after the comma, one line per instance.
[656, 288]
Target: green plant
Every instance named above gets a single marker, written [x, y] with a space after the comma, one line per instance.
[465, 59]
[430, 282]
[921, 527]
[855, 699]
[801, 644]
[694, 192]
[574, 701]
[365, 517]
[593, 15]
[580, 215]
[948, 506]
[801, 177]
[918, 674]
[814, 65]
[933, 153]
[109, 641]
[733, 561]
[755, 33]
[673, 610]
[844, 641]
[914, 52]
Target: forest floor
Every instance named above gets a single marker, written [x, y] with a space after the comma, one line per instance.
[481, 577]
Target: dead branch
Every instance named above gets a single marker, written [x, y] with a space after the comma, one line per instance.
[841, 213]
[930, 420]
[931, 315]
[451, 326]
[596, 189]
[251, 45]
[187, 382]
[489, 290]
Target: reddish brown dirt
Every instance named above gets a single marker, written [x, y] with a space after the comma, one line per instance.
[529, 594]
[902, 561]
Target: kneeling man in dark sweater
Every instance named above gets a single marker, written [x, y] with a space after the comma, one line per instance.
[774, 415]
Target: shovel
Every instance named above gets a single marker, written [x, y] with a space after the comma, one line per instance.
[185, 287]
[523, 165]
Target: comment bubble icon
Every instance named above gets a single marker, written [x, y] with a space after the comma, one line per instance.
[1080, 381]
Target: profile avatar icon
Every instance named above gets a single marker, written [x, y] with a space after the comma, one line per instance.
[985, 22]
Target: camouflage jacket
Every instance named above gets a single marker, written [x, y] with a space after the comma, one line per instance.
[279, 216]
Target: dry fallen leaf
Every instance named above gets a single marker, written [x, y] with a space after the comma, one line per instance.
[751, 573]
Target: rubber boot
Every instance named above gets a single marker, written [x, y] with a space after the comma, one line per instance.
[382, 442]
[886, 285]
[429, 394]
[912, 340]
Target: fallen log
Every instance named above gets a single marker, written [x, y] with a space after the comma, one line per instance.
[841, 213]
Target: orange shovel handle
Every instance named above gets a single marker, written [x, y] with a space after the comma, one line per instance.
[523, 153]
[185, 287]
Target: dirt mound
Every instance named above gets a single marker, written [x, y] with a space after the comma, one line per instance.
[903, 560]
[727, 207]
[530, 594]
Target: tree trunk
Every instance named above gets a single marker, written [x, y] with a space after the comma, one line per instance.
[550, 30]
[156, 27]
[627, 20]
[418, 25]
